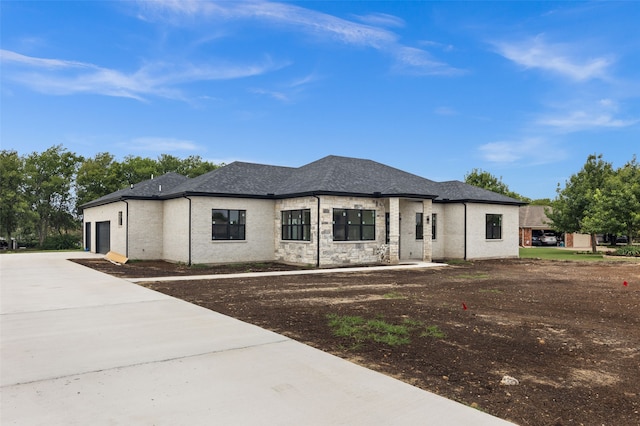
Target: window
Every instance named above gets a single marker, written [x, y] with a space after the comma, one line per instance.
[120, 218]
[354, 225]
[228, 224]
[494, 226]
[419, 227]
[434, 222]
[296, 225]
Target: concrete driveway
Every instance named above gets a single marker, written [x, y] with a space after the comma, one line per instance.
[79, 347]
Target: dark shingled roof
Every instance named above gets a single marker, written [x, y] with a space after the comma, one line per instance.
[329, 175]
[454, 190]
[152, 188]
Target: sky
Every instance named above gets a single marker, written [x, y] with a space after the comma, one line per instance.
[522, 90]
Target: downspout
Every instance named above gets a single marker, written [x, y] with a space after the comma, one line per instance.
[465, 231]
[318, 235]
[126, 231]
[189, 232]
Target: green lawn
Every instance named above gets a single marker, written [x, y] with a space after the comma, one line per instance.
[555, 253]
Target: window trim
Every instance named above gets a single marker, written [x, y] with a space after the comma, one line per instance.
[302, 229]
[359, 228]
[491, 228]
[240, 227]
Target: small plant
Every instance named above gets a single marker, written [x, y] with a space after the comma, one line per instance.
[433, 331]
[393, 295]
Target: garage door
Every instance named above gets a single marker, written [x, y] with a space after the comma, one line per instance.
[103, 237]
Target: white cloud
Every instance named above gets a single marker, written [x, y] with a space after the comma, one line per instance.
[310, 22]
[381, 19]
[62, 77]
[557, 58]
[583, 120]
[531, 151]
[444, 110]
[161, 145]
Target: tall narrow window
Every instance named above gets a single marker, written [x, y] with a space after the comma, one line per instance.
[434, 227]
[120, 218]
[494, 226]
[296, 225]
[228, 224]
[354, 225]
[419, 226]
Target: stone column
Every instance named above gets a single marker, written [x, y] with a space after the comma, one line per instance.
[427, 241]
[394, 230]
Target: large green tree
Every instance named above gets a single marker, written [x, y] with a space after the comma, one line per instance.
[616, 206]
[98, 176]
[485, 180]
[573, 202]
[49, 178]
[13, 204]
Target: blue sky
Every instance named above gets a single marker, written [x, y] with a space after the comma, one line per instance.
[523, 90]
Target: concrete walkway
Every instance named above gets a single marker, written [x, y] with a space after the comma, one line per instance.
[79, 347]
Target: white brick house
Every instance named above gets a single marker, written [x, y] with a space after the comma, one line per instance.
[334, 211]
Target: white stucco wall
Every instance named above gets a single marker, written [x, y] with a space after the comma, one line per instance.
[145, 229]
[258, 245]
[450, 239]
[478, 246]
[176, 230]
[108, 213]
[410, 247]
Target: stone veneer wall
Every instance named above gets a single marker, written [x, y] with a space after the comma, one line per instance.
[298, 252]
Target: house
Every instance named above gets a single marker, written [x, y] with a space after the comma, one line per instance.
[334, 211]
[534, 222]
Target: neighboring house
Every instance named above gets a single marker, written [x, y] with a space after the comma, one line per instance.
[534, 222]
[334, 211]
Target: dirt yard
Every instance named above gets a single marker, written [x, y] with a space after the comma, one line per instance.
[569, 332]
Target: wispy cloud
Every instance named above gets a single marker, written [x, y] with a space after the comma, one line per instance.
[160, 145]
[381, 19]
[557, 58]
[371, 34]
[63, 77]
[444, 110]
[589, 115]
[531, 150]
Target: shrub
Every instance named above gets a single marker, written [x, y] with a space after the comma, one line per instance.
[628, 251]
[61, 242]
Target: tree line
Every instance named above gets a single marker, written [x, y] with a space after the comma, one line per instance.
[40, 193]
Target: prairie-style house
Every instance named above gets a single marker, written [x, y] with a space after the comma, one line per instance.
[334, 211]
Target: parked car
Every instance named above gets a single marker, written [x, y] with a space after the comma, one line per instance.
[535, 241]
[622, 240]
[548, 239]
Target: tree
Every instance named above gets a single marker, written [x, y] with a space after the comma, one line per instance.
[49, 177]
[136, 169]
[13, 205]
[191, 166]
[98, 176]
[573, 203]
[616, 207]
[484, 179]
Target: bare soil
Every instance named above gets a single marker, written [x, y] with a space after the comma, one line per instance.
[569, 332]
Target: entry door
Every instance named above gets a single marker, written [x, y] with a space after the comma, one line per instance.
[87, 236]
[103, 237]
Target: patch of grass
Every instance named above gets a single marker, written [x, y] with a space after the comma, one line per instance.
[433, 331]
[479, 276]
[393, 295]
[554, 253]
[378, 330]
